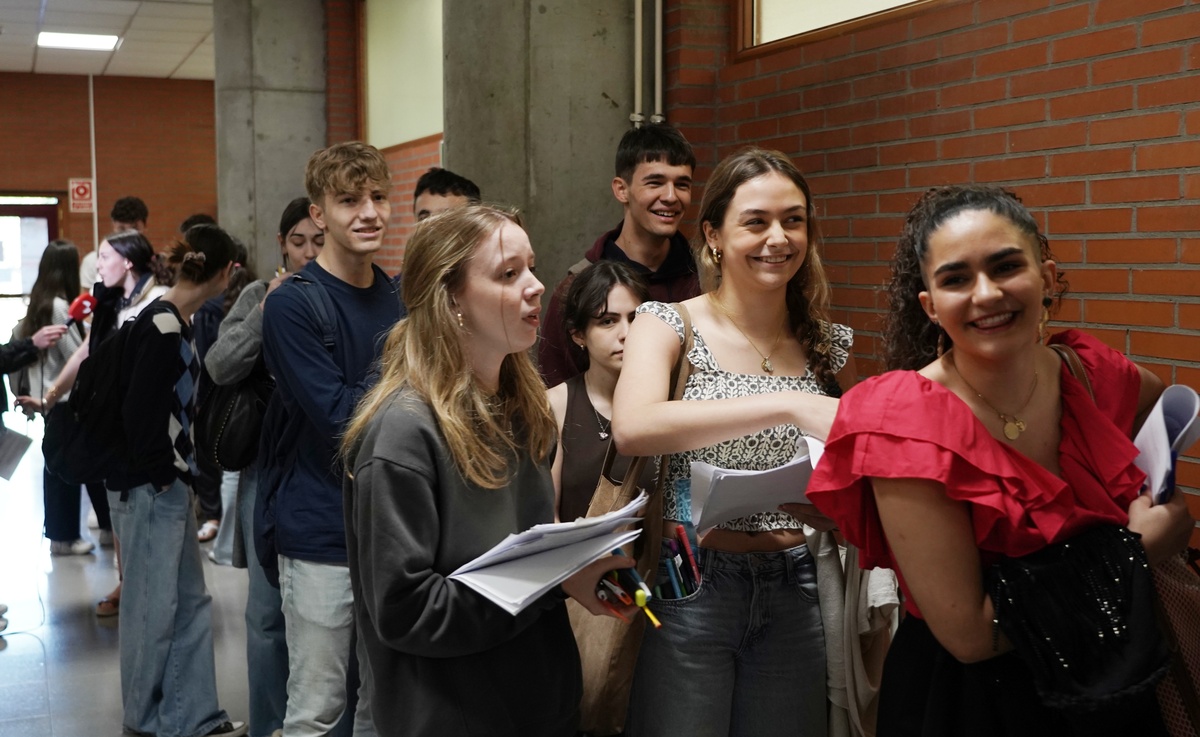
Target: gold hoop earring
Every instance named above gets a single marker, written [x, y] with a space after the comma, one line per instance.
[716, 255]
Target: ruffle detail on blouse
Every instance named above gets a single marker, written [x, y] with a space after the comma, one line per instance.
[904, 426]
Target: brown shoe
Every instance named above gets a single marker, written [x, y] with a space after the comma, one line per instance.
[109, 606]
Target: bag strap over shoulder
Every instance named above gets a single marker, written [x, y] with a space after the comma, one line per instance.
[318, 300]
[1075, 366]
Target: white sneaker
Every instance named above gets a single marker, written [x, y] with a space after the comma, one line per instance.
[106, 538]
[3, 624]
[74, 547]
[93, 523]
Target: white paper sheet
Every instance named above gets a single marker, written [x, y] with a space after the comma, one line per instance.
[522, 567]
[1169, 430]
[720, 494]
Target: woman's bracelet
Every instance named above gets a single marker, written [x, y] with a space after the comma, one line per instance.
[51, 393]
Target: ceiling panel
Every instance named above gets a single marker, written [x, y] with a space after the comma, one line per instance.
[160, 38]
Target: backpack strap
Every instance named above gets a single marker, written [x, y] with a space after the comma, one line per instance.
[322, 306]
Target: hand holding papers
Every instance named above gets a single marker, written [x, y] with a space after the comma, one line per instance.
[719, 494]
[520, 568]
[1170, 429]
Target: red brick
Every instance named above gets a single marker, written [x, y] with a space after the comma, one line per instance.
[757, 87]
[1166, 345]
[1128, 312]
[1136, 189]
[1104, 161]
[876, 37]
[908, 54]
[732, 113]
[852, 66]
[898, 203]
[695, 76]
[757, 129]
[737, 72]
[858, 204]
[854, 158]
[1172, 28]
[827, 49]
[1008, 9]
[987, 144]
[944, 18]
[880, 84]
[1054, 23]
[877, 227]
[940, 174]
[833, 94]
[781, 60]
[1131, 251]
[870, 275]
[975, 40]
[879, 180]
[940, 124]
[1096, 102]
[808, 120]
[1010, 169]
[1097, 43]
[1190, 253]
[784, 103]
[1168, 92]
[1092, 220]
[1099, 281]
[1055, 79]
[1108, 11]
[1170, 218]
[936, 75]
[1047, 137]
[854, 113]
[1191, 187]
[1189, 316]
[826, 184]
[802, 78]
[907, 153]
[1054, 194]
[907, 105]
[973, 93]
[1012, 113]
[1135, 128]
[827, 139]
[887, 130]
[1137, 66]
[1010, 60]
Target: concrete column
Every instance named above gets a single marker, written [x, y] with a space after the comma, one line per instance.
[270, 113]
[537, 95]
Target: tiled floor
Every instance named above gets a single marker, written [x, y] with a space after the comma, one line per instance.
[59, 671]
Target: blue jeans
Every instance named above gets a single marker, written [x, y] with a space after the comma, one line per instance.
[222, 549]
[266, 643]
[742, 655]
[318, 606]
[168, 676]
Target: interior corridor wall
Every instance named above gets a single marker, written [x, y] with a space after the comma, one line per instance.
[154, 139]
[1088, 109]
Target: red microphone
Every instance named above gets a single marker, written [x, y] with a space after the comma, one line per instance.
[81, 309]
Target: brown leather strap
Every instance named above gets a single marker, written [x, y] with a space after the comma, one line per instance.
[1071, 358]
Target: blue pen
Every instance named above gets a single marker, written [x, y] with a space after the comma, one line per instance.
[632, 573]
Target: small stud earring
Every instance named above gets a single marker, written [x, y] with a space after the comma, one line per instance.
[716, 254]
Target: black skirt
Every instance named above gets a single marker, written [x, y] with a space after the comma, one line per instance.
[926, 692]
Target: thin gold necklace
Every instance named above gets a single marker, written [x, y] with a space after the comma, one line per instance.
[766, 364]
[1013, 426]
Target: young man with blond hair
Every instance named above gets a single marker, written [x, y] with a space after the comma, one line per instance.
[323, 330]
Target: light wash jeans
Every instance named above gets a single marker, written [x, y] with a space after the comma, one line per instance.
[168, 676]
[222, 549]
[743, 656]
[266, 643]
[318, 606]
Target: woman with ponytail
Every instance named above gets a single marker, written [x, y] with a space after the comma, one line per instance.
[168, 679]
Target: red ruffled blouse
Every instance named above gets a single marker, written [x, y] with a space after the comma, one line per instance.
[902, 425]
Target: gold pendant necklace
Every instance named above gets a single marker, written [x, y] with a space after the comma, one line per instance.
[1013, 426]
[766, 364]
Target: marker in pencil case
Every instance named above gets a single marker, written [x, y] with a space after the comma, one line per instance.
[629, 580]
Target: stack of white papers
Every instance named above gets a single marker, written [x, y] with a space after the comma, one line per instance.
[721, 494]
[1170, 429]
[520, 568]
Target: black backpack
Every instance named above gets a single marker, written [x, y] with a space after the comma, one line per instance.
[85, 436]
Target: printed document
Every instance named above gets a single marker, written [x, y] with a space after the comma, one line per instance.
[1169, 430]
[520, 568]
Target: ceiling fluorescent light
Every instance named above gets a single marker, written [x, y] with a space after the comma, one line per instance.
[82, 41]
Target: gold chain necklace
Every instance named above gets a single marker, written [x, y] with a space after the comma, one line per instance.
[766, 364]
[1013, 426]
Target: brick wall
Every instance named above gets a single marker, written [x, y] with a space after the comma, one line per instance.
[1086, 108]
[155, 139]
[343, 76]
[407, 162]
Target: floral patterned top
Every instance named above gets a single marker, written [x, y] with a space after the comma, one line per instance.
[760, 451]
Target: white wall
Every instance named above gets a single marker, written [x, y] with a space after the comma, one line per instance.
[403, 70]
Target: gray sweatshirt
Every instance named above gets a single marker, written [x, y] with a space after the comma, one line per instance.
[446, 661]
[233, 356]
